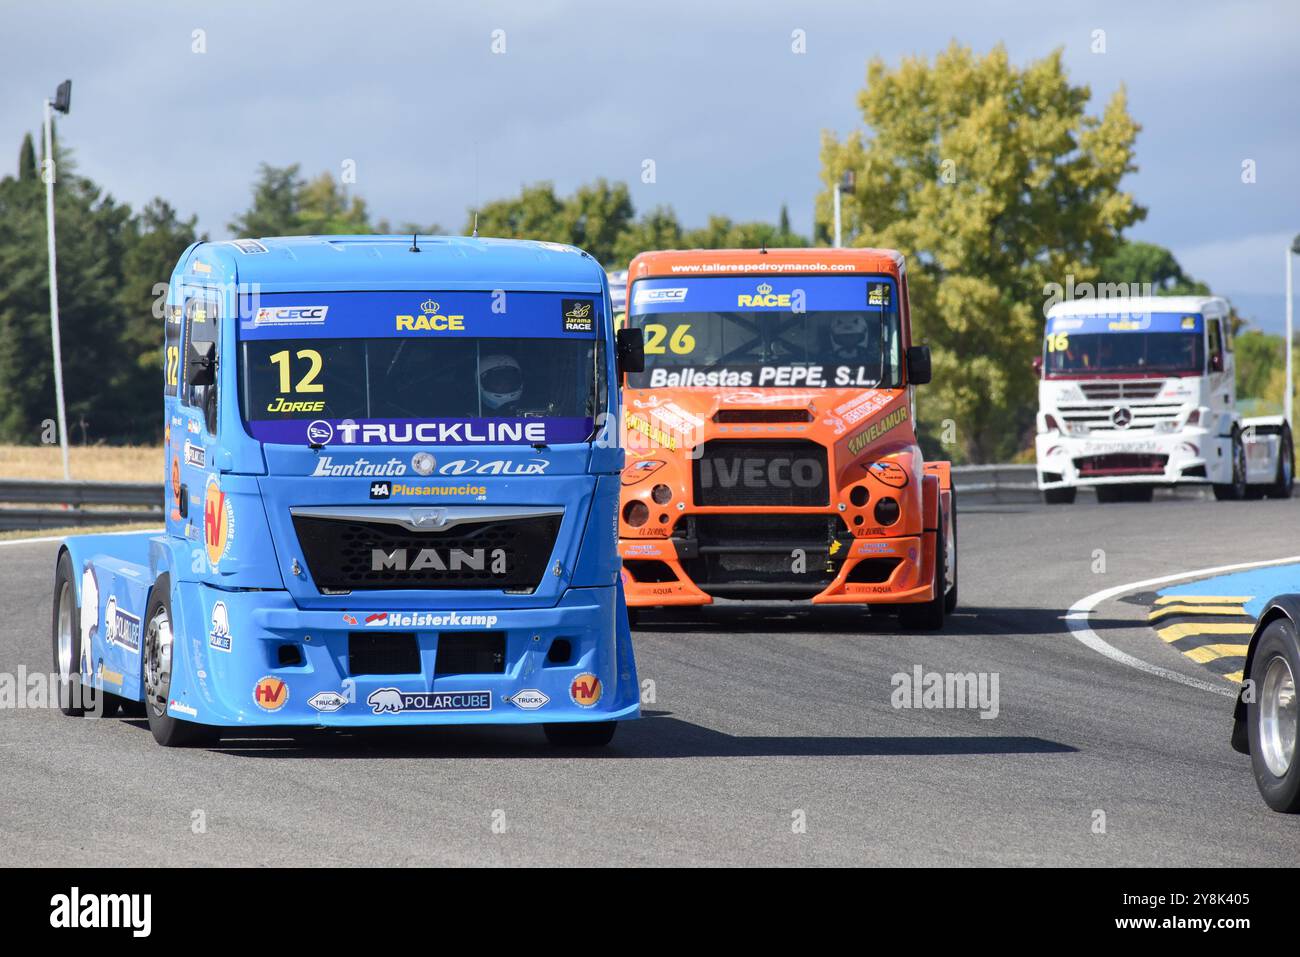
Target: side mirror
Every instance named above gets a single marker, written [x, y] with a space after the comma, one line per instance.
[1038, 367]
[918, 365]
[630, 354]
[201, 364]
[1216, 361]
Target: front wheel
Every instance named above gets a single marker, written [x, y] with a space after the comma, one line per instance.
[1285, 480]
[928, 615]
[580, 734]
[156, 664]
[1271, 718]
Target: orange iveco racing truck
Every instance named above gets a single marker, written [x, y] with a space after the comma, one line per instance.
[771, 443]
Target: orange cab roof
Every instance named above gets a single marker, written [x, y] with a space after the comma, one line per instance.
[815, 259]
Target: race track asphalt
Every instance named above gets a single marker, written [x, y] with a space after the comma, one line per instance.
[772, 738]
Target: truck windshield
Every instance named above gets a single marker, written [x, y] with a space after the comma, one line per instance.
[406, 368]
[1165, 343]
[804, 331]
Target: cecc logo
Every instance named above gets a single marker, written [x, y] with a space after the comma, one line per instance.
[430, 320]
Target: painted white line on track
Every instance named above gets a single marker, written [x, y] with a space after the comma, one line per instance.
[59, 538]
[1079, 613]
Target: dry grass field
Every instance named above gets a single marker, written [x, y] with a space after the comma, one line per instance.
[99, 463]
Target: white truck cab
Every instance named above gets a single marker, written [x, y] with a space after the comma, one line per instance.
[1140, 392]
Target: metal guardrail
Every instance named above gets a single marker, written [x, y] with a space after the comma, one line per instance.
[146, 497]
[996, 484]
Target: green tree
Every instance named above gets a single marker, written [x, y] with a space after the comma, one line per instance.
[285, 204]
[593, 218]
[1146, 263]
[657, 229]
[996, 183]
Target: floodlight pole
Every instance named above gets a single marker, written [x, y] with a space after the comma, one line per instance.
[48, 174]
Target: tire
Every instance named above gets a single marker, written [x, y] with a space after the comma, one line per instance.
[1283, 485]
[633, 617]
[155, 676]
[1234, 491]
[1060, 496]
[580, 734]
[950, 599]
[927, 615]
[1271, 719]
[66, 633]
[1106, 494]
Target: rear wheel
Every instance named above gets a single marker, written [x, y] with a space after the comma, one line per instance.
[580, 734]
[1236, 489]
[1060, 496]
[156, 662]
[1272, 717]
[1282, 485]
[950, 600]
[928, 615]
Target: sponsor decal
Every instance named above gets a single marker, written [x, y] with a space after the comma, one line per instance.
[579, 315]
[175, 707]
[861, 548]
[430, 319]
[775, 472]
[639, 471]
[856, 409]
[195, 456]
[219, 629]
[193, 426]
[111, 677]
[462, 432]
[320, 432]
[327, 701]
[200, 267]
[176, 483]
[763, 298]
[877, 430]
[349, 619]
[218, 521]
[362, 467]
[529, 699]
[643, 295]
[642, 550]
[427, 619]
[249, 247]
[585, 690]
[386, 490]
[657, 436]
[121, 628]
[290, 316]
[443, 560]
[396, 701]
[691, 378]
[890, 473]
[270, 693]
[877, 294]
[493, 467]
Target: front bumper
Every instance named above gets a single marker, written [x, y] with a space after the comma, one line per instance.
[1189, 457]
[249, 685]
[873, 571]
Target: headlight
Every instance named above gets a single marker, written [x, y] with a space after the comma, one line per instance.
[636, 513]
[887, 511]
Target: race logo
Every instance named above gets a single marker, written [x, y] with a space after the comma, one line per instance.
[121, 628]
[219, 629]
[218, 522]
[585, 690]
[529, 699]
[430, 319]
[763, 297]
[442, 560]
[327, 701]
[579, 315]
[395, 701]
[270, 694]
[877, 294]
[291, 316]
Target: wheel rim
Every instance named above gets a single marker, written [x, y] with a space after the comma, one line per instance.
[64, 633]
[1277, 716]
[158, 662]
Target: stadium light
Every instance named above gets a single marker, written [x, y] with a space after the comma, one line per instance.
[62, 102]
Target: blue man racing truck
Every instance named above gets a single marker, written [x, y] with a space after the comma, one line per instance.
[392, 489]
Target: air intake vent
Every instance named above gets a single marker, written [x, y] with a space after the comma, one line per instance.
[761, 416]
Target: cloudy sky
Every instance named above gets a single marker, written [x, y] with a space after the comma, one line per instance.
[436, 122]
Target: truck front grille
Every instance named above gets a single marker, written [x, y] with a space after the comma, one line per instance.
[762, 556]
[775, 473]
[1121, 463]
[1110, 389]
[351, 553]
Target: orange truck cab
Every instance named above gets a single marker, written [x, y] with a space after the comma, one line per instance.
[771, 445]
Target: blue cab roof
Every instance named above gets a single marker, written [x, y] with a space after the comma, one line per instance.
[296, 263]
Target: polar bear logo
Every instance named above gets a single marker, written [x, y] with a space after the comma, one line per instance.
[385, 699]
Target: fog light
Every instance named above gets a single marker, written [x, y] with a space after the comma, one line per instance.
[662, 494]
[858, 496]
[636, 513]
[887, 511]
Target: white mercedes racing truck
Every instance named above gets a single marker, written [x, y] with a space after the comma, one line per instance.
[1140, 393]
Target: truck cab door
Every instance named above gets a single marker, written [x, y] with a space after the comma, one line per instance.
[192, 431]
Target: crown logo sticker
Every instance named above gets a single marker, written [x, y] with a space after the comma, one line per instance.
[429, 306]
[764, 289]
